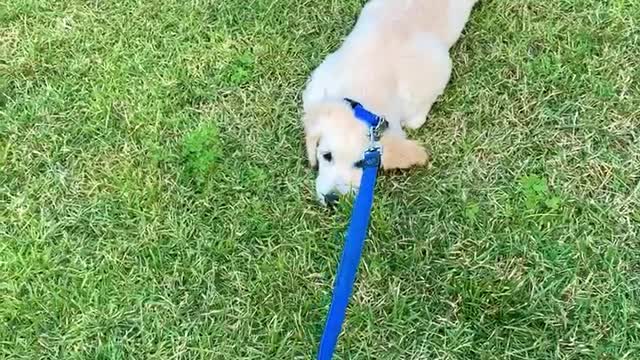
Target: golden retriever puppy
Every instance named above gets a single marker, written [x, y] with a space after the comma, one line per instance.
[395, 63]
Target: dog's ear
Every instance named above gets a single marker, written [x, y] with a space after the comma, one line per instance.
[401, 153]
[312, 137]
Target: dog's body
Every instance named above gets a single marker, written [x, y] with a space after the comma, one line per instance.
[396, 63]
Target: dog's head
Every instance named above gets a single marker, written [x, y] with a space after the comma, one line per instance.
[336, 142]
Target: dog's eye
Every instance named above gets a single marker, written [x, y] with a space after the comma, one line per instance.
[327, 156]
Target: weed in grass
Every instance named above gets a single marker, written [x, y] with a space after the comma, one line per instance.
[201, 150]
[240, 70]
[537, 193]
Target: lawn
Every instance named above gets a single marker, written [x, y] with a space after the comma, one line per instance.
[155, 202]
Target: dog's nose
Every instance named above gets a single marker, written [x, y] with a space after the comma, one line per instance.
[331, 199]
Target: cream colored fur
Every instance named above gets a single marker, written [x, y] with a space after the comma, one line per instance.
[396, 63]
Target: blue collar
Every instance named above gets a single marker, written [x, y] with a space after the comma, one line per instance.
[376, 124]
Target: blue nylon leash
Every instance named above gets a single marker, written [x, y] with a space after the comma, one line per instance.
[356, 235]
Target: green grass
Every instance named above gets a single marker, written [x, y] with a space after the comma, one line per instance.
[155, 204]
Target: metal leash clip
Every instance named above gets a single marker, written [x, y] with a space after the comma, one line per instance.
[375, 133]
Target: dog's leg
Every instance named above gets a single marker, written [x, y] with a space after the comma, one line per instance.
[417, 120]
[424, 76]
[419, 117]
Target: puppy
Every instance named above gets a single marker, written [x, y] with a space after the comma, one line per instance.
[395, 63]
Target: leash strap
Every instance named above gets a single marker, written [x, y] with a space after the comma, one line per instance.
[351, 254]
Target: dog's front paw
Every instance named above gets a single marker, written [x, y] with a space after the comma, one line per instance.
[400, 153]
